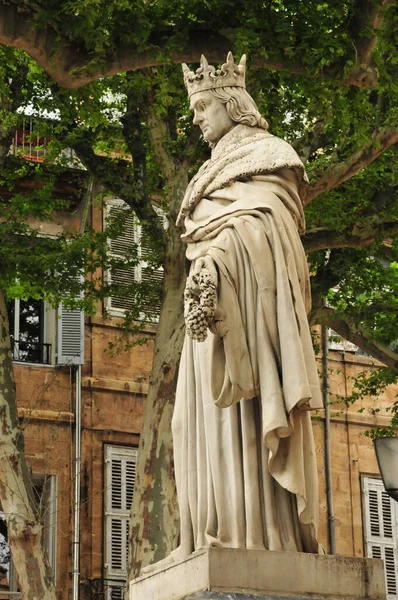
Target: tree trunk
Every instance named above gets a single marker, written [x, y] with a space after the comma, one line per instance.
[154, 513]
[24, 529]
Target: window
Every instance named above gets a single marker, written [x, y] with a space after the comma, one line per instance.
[142, 272]
[120, 469]
[45, 489]
[28, 331]
[336, 342]
[381, 531]
[34, 327]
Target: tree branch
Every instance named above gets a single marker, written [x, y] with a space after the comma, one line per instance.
[173, 168]
[133, 134]
[323, 239]
[389, 306]
[368, 20]
[311, 141]
[347, 329]
[328, 275]
[337, 174]
[10, 104]
[158, 133]
[70, 64]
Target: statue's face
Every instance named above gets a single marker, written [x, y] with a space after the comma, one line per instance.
[211, 116]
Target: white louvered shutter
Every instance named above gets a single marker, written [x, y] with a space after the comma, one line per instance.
[70, 336]
[382, 531]
[153, 279]
[119, 246]
[120, 469]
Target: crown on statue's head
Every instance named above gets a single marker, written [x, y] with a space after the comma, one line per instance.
[208, 78]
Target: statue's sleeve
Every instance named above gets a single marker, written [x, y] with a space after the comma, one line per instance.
[233, 376]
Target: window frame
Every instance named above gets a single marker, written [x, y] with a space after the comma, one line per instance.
[46, 334]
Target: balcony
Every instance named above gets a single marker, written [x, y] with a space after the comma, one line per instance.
[31, 352]
[26, 144]
[107, 589]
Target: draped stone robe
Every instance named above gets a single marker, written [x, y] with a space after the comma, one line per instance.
[243, 446]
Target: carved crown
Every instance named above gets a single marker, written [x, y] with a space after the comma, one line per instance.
[207, 77]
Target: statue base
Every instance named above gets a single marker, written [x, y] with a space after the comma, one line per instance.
[230, 574]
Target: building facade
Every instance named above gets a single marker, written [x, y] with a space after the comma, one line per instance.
[364, 516]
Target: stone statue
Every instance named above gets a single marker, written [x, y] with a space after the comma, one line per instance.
[243, 446]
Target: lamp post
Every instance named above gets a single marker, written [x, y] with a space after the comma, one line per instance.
[386, 449]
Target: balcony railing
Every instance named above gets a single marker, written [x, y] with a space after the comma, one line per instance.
[30, 145]
[27, 144]
[107, 589]
[31, 352]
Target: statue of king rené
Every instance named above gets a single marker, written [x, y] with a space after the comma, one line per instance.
[243, 445]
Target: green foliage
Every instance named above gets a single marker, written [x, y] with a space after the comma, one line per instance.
[366, 293]
[312, 33]
[371, 384]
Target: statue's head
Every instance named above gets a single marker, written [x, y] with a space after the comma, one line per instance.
[219, 98]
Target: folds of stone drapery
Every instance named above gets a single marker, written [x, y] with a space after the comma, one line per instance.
[244, 450]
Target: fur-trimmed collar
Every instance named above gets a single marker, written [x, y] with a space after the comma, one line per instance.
[242, 153]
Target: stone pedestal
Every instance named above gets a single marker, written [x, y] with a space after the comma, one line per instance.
[233, 596]
[228, 574]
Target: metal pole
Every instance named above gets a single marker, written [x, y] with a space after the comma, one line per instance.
[328, 461]
[78, 433]
[76, 532]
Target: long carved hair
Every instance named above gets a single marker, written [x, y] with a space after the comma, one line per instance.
[240, 106]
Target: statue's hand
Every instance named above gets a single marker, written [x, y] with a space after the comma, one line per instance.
[200, 298]
[204, 262]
